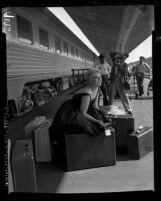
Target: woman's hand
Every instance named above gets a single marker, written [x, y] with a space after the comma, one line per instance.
[107, 124]
[102, 124]
[108, 118]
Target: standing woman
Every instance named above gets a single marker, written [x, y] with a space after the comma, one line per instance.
[81, 114]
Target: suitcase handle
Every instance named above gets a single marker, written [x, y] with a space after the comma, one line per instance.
[27, 146]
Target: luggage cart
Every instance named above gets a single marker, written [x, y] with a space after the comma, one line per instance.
[150, 88]
[133, 88]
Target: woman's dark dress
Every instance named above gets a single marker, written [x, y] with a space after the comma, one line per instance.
[70, 120]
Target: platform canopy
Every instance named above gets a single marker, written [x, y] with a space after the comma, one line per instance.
[114, 28]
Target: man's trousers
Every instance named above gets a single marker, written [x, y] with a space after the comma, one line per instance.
[117, 85]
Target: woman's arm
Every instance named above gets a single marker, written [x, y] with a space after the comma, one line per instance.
[96, 102]
[84, 108]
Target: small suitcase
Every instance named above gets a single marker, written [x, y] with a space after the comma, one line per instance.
[32, 125]
[123, 125]
[23, 167]
[83, 151]
[65, 83]
[139, 144]
[43, 152]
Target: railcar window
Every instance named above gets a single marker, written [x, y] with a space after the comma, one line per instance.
[83, 56]
[43, 36]
[87, 58]
[72, 51]
[76, 52]
[79, 54]
[65, 48]
[57, 44]
[24, 30]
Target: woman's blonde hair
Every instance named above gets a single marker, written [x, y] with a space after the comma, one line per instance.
[90, 72]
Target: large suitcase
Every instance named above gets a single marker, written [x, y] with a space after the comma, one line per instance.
[123, 125]
[10, 176]
[32, 125]
[139, 144]
[83, 151]
[43, 151]
[113, 110]
[23, 167]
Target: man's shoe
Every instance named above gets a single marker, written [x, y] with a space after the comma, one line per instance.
[129, 112]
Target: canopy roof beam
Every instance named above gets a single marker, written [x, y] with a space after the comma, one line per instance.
[129, 18]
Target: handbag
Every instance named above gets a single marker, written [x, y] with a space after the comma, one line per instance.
[126, 84]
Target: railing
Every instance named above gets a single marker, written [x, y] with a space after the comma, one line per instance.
[78, 75]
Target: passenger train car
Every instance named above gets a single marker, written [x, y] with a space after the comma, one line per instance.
[41, 51]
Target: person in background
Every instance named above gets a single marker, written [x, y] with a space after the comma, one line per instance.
[139, 72]
[118, 73]
[105, 70]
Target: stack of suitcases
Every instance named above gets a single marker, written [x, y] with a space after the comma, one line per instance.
[129, 141]
[35, 147]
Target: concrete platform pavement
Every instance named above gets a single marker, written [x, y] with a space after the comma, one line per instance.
[126, 175]
[142, 111]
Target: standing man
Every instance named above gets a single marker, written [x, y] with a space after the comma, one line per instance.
[105, 69]
[118, 73]
[140, 73]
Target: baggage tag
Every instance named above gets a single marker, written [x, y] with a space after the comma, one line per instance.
[139, 130]
[107, 132]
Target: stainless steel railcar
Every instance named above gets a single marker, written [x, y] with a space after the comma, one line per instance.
[40, 49]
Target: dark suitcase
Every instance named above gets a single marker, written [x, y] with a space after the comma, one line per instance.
[139, 144]
[23, 166]
[10, 176]
[43, 151]
[83, 151]
[123, 125]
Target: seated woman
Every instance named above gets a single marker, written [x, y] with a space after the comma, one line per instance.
[81, 114]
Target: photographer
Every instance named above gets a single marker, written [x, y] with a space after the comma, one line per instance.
[117, 79]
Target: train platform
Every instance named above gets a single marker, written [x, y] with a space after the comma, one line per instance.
[126, 175]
